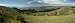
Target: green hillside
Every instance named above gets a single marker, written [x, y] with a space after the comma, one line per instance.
[8, 15]
[55, 15]
[63, 15]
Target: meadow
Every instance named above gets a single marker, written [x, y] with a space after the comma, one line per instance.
[52, 19]
[59, 15]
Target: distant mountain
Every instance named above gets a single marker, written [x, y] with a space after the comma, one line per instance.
[41, 7]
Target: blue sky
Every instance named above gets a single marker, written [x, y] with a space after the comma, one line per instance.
[70, 1]
[20, 3]
[27, 3]
[12, 2]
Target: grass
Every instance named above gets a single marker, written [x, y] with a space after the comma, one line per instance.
[41, 17]
[52, 19]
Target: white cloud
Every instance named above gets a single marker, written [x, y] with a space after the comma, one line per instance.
[47, 2]
[39, 1]
[9, 5]
[3, 5]
[6, 5]
[53, 1]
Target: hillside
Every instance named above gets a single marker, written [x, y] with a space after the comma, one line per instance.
[51, 12]
[8, 15]
[55, 15]
[63, 15]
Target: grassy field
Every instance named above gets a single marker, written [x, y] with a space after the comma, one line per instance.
[62, 16]
[52, 19]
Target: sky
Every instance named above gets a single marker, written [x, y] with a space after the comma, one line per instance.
[34, 3]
